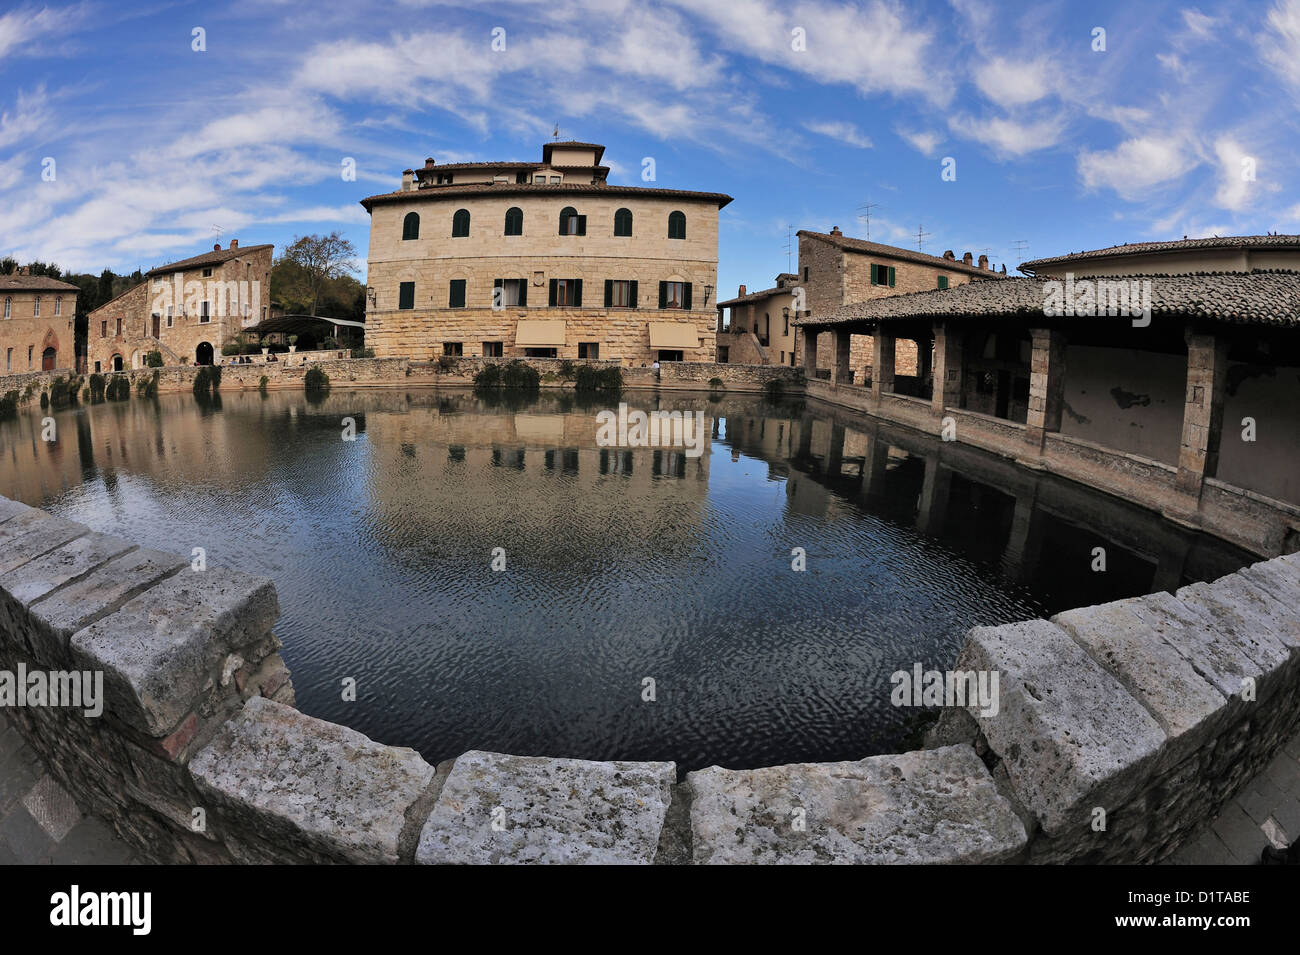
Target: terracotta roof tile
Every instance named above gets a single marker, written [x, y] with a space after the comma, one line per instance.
[894, 252]
[215, 257]
[34, 283]
[1178, 245]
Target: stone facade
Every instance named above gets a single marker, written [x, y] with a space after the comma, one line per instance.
[767, 316]
[185, 310]
[36, 324]
[412, 247]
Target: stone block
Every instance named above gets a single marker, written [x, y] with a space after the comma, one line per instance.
[29, 535]
[38, 578]
[1233, 613]
[927, 806]
[279, 777]
[163, 650]
[1071, 736]
[567, 811]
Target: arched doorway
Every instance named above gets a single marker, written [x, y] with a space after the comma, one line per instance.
[117, 362]
[203, 354]
[48, 359]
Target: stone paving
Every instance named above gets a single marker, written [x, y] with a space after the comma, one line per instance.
[1266, 810]
[40, 824]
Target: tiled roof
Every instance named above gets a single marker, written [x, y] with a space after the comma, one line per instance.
[1178, 245]
[1255, 298]
[528, 188]
[442, 167]
[34, 283]
[754, 296]
[215, 257]
[894, 252]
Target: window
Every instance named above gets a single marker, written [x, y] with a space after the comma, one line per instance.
[669, 354]
[207, 273]
[453, 349]
[9, 307]
[411, 226]
[456, 294]
[623, 222]
[566, 293]
[9, 360]
[406, 295]
[444, 179]
[204, 316]
[676, 225]
[805, 273]
[555, 180]
[620, 294]
[882, 275]
[540, 353]
[509, 293]
[460, 224]
[169, 316]
[493, 349]
[589, 350]
[675, 295]
[571, 223]
[29, 356]
[785, 316]
[36, 307]
[58, 305]
[103, 329]
[514, 221]
[943, 281]
[783, 358]
[119, 327]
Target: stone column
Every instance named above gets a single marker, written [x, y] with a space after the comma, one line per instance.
[835, 452]
[804, 449]
[840, 370]
[934, 497]
[1046, 385]
[874, 462]
[808, 342]
[948, 368]
[1198, 455]
[882, 362]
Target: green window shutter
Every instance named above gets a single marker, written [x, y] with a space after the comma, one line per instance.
[875, 280]
[663, 294]
[891, 276]
[943, 281]
[554, 285]
[609, 292]
[577, 293]
[582, 225]
[406, 295]
[631, 300]
[686, 297]
[496, 284]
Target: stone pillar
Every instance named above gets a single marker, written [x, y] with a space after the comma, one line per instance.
[1198, 455]
[835, 452]
[874, 462]
[948, 368]
[882, 362]
[804, 450]
[840, 370]
[934, 497]
[808, 342]
[1046, 385]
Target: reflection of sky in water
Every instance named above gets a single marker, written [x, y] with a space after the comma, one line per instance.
[677, 569]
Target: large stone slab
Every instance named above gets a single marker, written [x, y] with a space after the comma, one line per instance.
[281, 777]
[161, 650]
[38, 578]
[496, 808]
[11, 509]
[1230, 614]
[30, 534]
[1122, 638]
[1071, 737]
[929, 806]
[1260, 596]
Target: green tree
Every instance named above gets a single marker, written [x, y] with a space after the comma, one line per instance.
[310, 268]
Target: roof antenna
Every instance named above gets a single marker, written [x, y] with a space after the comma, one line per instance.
[921, 236]
[556, 133]
[864, 215]
[789, 246]
[1021, 245]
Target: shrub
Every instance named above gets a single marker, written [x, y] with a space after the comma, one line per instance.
[520, 375]
[316, 381]
[9, 405]
[231, 348]
[261, 384]
[96, 387]
[363, 353]
[567, 370]
[214, 372]
[590, 378]
[774, 390]
[85, 394]
[489, 376]
[45, 399]
[203, 382]
[148, 387]
[153, 359]
[717, 384]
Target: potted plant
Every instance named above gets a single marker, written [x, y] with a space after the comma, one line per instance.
[293, 343]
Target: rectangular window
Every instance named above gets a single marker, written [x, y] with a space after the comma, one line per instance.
[169, 316]
[29, 355]
[882, 275]
[509, 293]
[493, 349]
[943, 281]
[669, 354]
[566, 293]
[58, 305]
[36, 307]
[785, 328]
[620, 293]
[540, 353]
[676, 295]
[453, 349]
[555, 180]
[207, 273]
[456, 293]
[103, 329]
[205, 315]
[119, 326]
[406, 295]
[9, 360]
[589, 350]
[805, 273]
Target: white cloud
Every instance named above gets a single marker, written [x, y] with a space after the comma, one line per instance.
[1009, 83]
[1010, 137]
[844, 132]
[1238, 186]
[1281, 46]
[19, 28]
[925, 142]
[1137, 165]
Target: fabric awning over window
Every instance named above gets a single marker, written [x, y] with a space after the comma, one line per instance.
[674, 335]
[539, 334]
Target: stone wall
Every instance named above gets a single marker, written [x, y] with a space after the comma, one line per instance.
[24, 336]
[1134, 708]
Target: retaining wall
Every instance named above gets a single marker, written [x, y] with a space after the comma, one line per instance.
[1134, 708]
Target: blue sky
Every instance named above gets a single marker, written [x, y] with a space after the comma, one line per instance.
[160, 150]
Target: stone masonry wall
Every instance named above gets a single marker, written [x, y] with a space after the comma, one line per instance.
[199, 756]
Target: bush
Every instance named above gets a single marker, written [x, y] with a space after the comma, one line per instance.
[148, 387]
[9, 405]
[261, 384]
[590, 378]
[232, 348]
[520, 375]
[119, 388]
[45, 399]
[717, 384]
[203, 386]
[96, 387]
[214, 372]
[446, 363]
[363, 353]
[489, 376]
[566, 370]
[316, 381]
[153, 359]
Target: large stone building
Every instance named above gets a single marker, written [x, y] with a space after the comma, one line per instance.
[36, 330]
[541, 259]
[185, 310]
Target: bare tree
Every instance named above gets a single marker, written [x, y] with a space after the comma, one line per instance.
[320, 259]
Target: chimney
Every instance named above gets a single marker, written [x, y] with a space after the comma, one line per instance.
[234, 243]
[408, 180]
[1004, 268]
[965, 258]
[948, 254]
[984, 261]
[741, 292]
[429, 162]
[22, 270]
[835, 230]
[217, 247]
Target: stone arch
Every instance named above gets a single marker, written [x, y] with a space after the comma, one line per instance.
[203, 353]
[115, 361]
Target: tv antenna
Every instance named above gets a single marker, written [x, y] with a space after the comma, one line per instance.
[789, 245]
[216, 229]
[556, 132]
[1020, 245]
[864, 215]
[921, 236]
